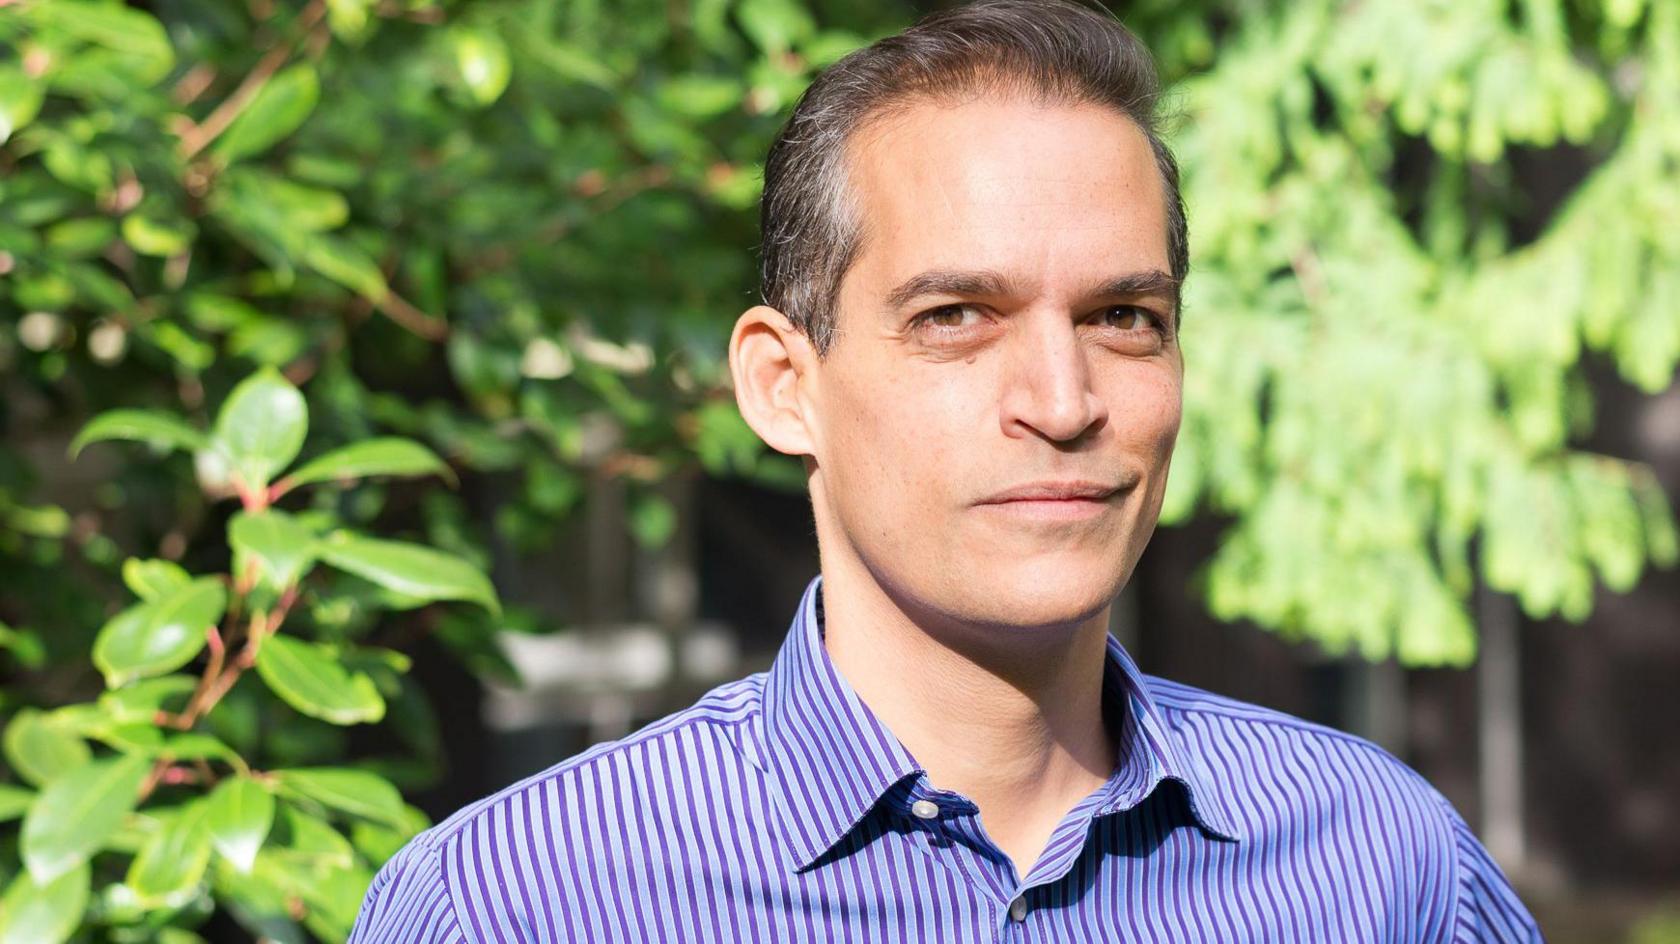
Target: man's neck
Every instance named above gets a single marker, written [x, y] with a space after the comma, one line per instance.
[1012, 719]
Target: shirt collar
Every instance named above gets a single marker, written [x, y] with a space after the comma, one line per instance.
[830, 760]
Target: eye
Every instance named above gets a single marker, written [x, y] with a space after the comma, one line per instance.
[1129, 317]
[949, 317]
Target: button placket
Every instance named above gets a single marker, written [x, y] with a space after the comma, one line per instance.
[1018, 908]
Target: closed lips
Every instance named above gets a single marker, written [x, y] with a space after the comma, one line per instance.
[1054, 491]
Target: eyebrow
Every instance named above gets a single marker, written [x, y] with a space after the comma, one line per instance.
[991, 282]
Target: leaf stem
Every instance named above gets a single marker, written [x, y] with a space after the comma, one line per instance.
[195, 705]
[197, 137]
[220, 675]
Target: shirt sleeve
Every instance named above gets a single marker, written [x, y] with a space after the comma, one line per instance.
[1486, 909]
[408, 903]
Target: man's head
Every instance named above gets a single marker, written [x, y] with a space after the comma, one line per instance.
[973, 244]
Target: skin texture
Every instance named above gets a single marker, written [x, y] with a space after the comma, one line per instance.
[974, 628]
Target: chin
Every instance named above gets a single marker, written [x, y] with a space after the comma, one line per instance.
[1040, 592]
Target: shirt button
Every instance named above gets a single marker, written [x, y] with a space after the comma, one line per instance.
[1018, 908]
[925, 809]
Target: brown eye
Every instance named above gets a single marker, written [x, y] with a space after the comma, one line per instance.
[949, 316]
[1129, 317]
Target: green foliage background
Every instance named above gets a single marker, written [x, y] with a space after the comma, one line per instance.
[516, 231]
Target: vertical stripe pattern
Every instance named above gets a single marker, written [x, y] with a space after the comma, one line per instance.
[777, 808]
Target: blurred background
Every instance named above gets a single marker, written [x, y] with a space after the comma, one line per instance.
[1423, 490]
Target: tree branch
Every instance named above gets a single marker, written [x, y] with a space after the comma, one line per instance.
[197, 137]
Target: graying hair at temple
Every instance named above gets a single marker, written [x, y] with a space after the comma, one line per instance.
[1054, 51]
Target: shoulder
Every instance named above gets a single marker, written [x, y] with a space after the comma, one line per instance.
[436, 871]
[1244, 742]
[1288, 778]
[710, 722]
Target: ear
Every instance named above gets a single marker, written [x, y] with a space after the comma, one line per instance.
[771, 362]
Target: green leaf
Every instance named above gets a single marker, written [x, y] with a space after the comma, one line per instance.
[40, 748]
[141, 737]
[79, 238]
[163, 430]
[78, 811]
[151, 236]
[151, 578]
[700, 96]
[139, 702]
[133, 34]
[482, 58]
[261, 427]
[14, 801]
[410, 569]
[173, 858]
[279, 205]
[282, 549]
[44, 912]
[310, 839]
[345, 263]
[192, 745]
[160, 635]
[276, 111]
[20, 100]
[572, 62]
[775, 25]
[308, 677]
[356, 792]
[24, 644]
[239, 813]
[386, 455]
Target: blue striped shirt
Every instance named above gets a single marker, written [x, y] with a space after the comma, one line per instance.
[777, 808]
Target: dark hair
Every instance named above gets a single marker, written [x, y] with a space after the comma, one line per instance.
[1051, 50]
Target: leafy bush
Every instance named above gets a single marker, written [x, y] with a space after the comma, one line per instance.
[188, 797]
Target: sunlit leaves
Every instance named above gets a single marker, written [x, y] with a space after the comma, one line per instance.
[77, 811]
[380, 456]
[173, 858]
[152, 578]
[355, 792]
[139, 702]
[149, 426]
[14, 801]
[775, 25]
[1387, 409]
[482, 59]
[238, 814]
[44, 912]
[131, 40]
[20, 100]
[153, 236]
[412, 570]
[310, 678]
[159, 635]
[278, 108]
[273, 542]
[39, 747]
[261, 427]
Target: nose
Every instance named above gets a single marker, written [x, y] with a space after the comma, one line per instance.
[1049, 391]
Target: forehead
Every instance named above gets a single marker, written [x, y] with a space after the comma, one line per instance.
[1045, 193]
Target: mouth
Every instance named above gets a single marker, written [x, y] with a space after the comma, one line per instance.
[1070, 500]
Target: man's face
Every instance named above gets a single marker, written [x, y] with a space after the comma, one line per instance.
[994, 420]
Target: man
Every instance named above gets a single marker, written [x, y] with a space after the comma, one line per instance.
[973, 247]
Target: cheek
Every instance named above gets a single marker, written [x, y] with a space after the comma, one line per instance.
[897, 434]
[1146, 408]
